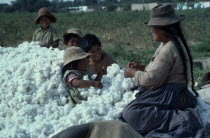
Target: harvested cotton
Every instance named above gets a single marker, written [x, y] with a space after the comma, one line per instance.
[33, 95]
[33, 101]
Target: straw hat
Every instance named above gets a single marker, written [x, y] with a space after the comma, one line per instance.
[74, 53]
[45, 12]
[164, 15]
[71, 31]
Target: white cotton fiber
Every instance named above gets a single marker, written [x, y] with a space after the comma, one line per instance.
[33, 101]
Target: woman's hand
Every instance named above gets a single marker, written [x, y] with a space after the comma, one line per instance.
[129, 72]
[136, 66]
[132, 64]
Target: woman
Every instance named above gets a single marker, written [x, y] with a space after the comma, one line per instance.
[164, 106]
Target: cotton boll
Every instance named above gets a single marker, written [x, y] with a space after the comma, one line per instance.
[67, 109]
[117, 86]
[113, 70]
[85, 77]
[127, 83]
[115, 97]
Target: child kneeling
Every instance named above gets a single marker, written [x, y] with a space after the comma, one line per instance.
[73, 71]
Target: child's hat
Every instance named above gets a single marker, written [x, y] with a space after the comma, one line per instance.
[164, 15]
[74, 53]
[71, 31]
[45, 12]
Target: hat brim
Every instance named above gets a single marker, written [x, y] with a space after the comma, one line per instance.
[74, 59]
[52, 17]
[165, 21]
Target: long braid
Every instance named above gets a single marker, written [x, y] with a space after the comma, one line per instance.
[172, 32]
[191, 60]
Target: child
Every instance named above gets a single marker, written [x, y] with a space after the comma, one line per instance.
[73, 71]
[72, 37]
[47, 35]
[99, 60]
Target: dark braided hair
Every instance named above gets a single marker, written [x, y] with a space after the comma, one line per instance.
[171, 32]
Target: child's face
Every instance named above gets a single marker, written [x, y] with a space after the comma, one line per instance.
[96, 53]
[44, 22]
[81, 64]
[74, 41]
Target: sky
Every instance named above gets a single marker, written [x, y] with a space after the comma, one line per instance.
[6, 1]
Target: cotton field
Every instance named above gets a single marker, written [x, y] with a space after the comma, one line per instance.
[33, 101]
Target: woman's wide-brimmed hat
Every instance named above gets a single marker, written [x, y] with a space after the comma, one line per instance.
[74, 53]
[164, 15]
[45, 12]
[71, 31]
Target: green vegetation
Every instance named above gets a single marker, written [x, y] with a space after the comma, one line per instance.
[123, 34]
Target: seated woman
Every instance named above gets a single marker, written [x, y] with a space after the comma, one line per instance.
[164, 105]
[99, 60]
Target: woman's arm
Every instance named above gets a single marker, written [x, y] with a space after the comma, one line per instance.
[86, 83]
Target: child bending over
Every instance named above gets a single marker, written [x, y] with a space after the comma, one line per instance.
[99, 60]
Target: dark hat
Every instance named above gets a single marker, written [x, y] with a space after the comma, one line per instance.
[164, 15]
[205, 79]
[71, 31]
[45, 12]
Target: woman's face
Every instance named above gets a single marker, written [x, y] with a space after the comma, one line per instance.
[96, 53]
[159, 35]
[81, 64]
[74, 41]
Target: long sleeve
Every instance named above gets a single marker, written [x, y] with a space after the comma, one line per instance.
[158, 70]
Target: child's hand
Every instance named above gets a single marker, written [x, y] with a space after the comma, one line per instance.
[98, 84]
[103, 72]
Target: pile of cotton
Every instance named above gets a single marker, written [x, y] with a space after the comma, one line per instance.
[33, 99]
[204, 104]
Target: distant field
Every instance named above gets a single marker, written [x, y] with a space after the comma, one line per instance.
[123, 34]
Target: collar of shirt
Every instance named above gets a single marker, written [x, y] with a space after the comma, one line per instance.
[49, 28]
